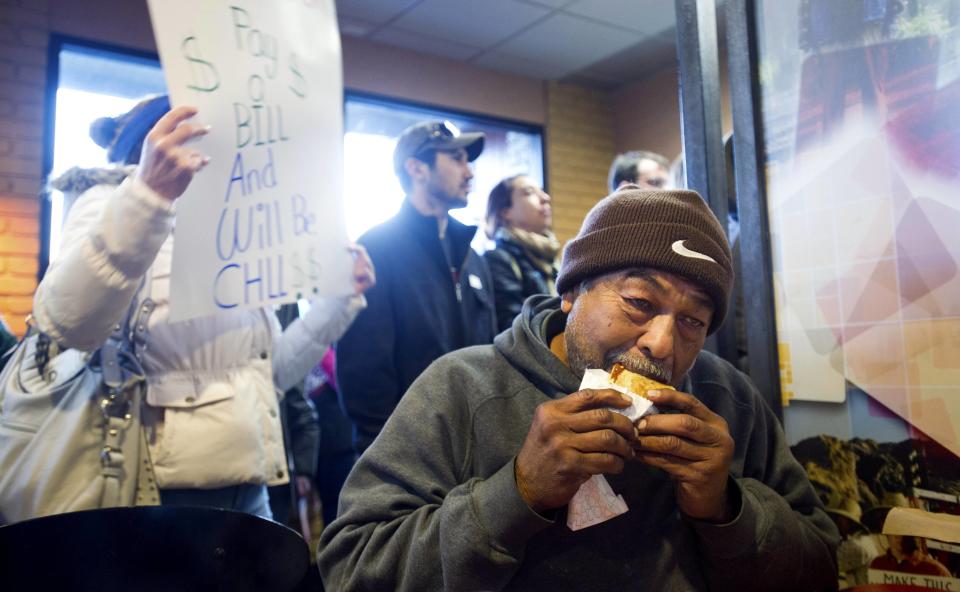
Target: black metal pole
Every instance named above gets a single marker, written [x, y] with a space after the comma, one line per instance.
[699, 67]
[749, 157]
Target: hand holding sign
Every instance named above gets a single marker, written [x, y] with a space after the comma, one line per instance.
[364, 275]
[166, 165]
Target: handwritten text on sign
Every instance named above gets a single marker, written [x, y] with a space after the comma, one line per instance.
[263, 223]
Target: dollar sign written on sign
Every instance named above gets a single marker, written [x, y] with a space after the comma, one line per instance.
[299, 84]
[204, 73]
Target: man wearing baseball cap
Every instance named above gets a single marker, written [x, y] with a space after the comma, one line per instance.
[468, 486]
[434, 293]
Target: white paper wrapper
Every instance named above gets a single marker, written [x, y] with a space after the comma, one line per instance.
[594, 378]
[595, 501]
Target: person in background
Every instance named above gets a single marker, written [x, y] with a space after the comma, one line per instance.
[336, 456]
[524, 262]
[468, 485]
[301, 439]
[434, 293]
[647, 170]
[211, 412]
[301, 430]
[904, 553]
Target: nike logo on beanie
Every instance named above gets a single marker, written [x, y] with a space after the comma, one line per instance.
[683, 251]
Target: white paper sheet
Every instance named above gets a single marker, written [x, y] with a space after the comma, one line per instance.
[917, 522]
[263, 223]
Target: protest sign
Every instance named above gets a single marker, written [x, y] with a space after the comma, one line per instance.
[262, 224]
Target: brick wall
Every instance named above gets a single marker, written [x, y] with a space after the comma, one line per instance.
[24, 34]
[580, 148]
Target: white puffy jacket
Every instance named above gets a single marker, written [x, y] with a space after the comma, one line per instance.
[212, 414]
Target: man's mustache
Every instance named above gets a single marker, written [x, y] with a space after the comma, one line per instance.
[640, 364]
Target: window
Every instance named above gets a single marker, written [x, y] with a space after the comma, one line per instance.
[92, 82]
[371, 189]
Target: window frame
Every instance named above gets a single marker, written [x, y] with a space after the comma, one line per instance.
[59, 42]
[438, 111]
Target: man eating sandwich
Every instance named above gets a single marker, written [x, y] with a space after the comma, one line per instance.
[468, 484]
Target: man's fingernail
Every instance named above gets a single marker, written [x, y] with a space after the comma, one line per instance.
[653, 394]
[642, 424]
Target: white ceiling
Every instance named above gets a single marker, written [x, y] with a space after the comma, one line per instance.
[601, 43]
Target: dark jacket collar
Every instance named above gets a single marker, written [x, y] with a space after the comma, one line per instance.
[426, 229]
[507, 242]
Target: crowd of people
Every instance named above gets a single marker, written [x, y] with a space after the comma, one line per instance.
[448, 383]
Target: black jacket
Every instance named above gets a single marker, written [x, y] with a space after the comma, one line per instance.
[298, 416]
[515, 278]
[301, 428]
[414, 315]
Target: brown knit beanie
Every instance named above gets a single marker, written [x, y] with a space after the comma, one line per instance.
[674, 231]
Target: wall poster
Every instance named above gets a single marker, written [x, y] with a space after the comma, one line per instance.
[861, 114]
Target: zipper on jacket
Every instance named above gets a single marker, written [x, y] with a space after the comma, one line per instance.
[455, 275]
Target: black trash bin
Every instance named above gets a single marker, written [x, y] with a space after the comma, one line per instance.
[152, 549]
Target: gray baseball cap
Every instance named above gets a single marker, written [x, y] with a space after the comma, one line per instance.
[435, 135]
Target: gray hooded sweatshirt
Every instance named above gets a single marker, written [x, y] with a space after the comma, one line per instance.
[433, 504]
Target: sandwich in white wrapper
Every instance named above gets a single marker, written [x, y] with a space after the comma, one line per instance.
[595, 501]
